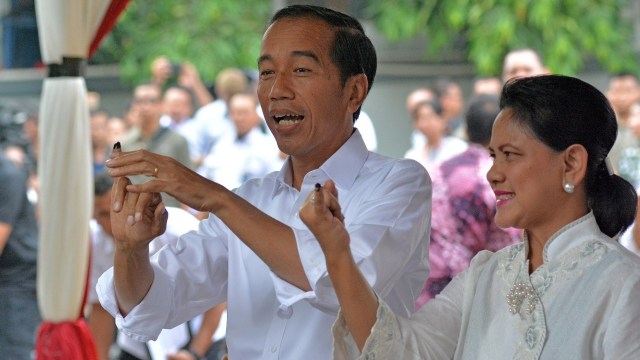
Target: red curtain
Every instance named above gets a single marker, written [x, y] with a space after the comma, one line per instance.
[108, 22]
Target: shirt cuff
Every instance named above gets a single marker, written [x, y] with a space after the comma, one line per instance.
[144, 322]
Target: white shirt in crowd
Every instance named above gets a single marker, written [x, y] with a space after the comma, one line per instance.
[234, 160]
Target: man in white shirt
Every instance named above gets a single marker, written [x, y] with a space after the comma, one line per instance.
[244, 154]
[316, 68]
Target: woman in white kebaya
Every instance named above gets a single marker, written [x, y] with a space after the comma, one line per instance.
[568, 291]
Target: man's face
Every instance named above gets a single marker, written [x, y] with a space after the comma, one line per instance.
[304, 104]
[148, 104]
[522, 64]
[623, 92]
[242, 111]
[177, 105]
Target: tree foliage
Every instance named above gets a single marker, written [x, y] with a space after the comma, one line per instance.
[211, 35]
[567, 33]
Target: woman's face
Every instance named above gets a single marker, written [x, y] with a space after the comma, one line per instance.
[526, 176]
[429, 123]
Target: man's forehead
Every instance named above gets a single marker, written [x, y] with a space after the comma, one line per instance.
[297, 30]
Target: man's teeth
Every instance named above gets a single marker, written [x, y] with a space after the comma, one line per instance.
[288, 122]
[288, 119]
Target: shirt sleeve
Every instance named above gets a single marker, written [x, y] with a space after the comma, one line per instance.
[431, 333]
[189, 279]
[389, 227]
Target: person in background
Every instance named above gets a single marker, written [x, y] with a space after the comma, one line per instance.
[624, 94]
[178, 116]
[414, 98]
[316, 68]
[19, 313]
[149, 135]
[451, 100]
[522, 63]
[568, 291]
[116, 129]
[213, 119]
[368, 131]
[245, 154]
[630, 239]
[487, 85]
[165, 73]
[417, 96]
[438, 146]
[102, 324]
[99, 139]
[463, 224]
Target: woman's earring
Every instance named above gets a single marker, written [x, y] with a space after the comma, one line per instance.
[568, 188]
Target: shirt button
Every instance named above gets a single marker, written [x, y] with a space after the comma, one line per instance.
[285, 313]
[274, 348]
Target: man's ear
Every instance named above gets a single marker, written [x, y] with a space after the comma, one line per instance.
[575, 164]
[357, 87]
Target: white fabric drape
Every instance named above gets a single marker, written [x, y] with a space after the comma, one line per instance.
[66, 28]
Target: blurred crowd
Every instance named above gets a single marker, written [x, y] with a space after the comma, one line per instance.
[220, 132]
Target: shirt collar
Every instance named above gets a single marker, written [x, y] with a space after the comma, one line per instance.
[572, 235]
[342, 167]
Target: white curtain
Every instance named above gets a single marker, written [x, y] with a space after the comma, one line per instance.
[66, 29]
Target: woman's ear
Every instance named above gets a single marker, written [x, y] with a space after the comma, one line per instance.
[575, 164]
[358, 87]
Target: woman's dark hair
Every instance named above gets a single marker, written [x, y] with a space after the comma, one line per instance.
[352, 51]
[561, 111]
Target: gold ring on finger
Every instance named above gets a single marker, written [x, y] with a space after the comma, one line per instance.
[155, 171]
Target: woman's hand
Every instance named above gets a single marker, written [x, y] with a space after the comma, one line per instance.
[322, 215]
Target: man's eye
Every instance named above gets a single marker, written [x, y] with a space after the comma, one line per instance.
[302, 70]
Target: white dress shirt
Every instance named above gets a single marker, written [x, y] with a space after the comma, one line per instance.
[386, 203]
[581, 303]
[102, 252]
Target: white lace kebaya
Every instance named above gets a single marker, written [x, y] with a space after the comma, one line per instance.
[583, 302]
